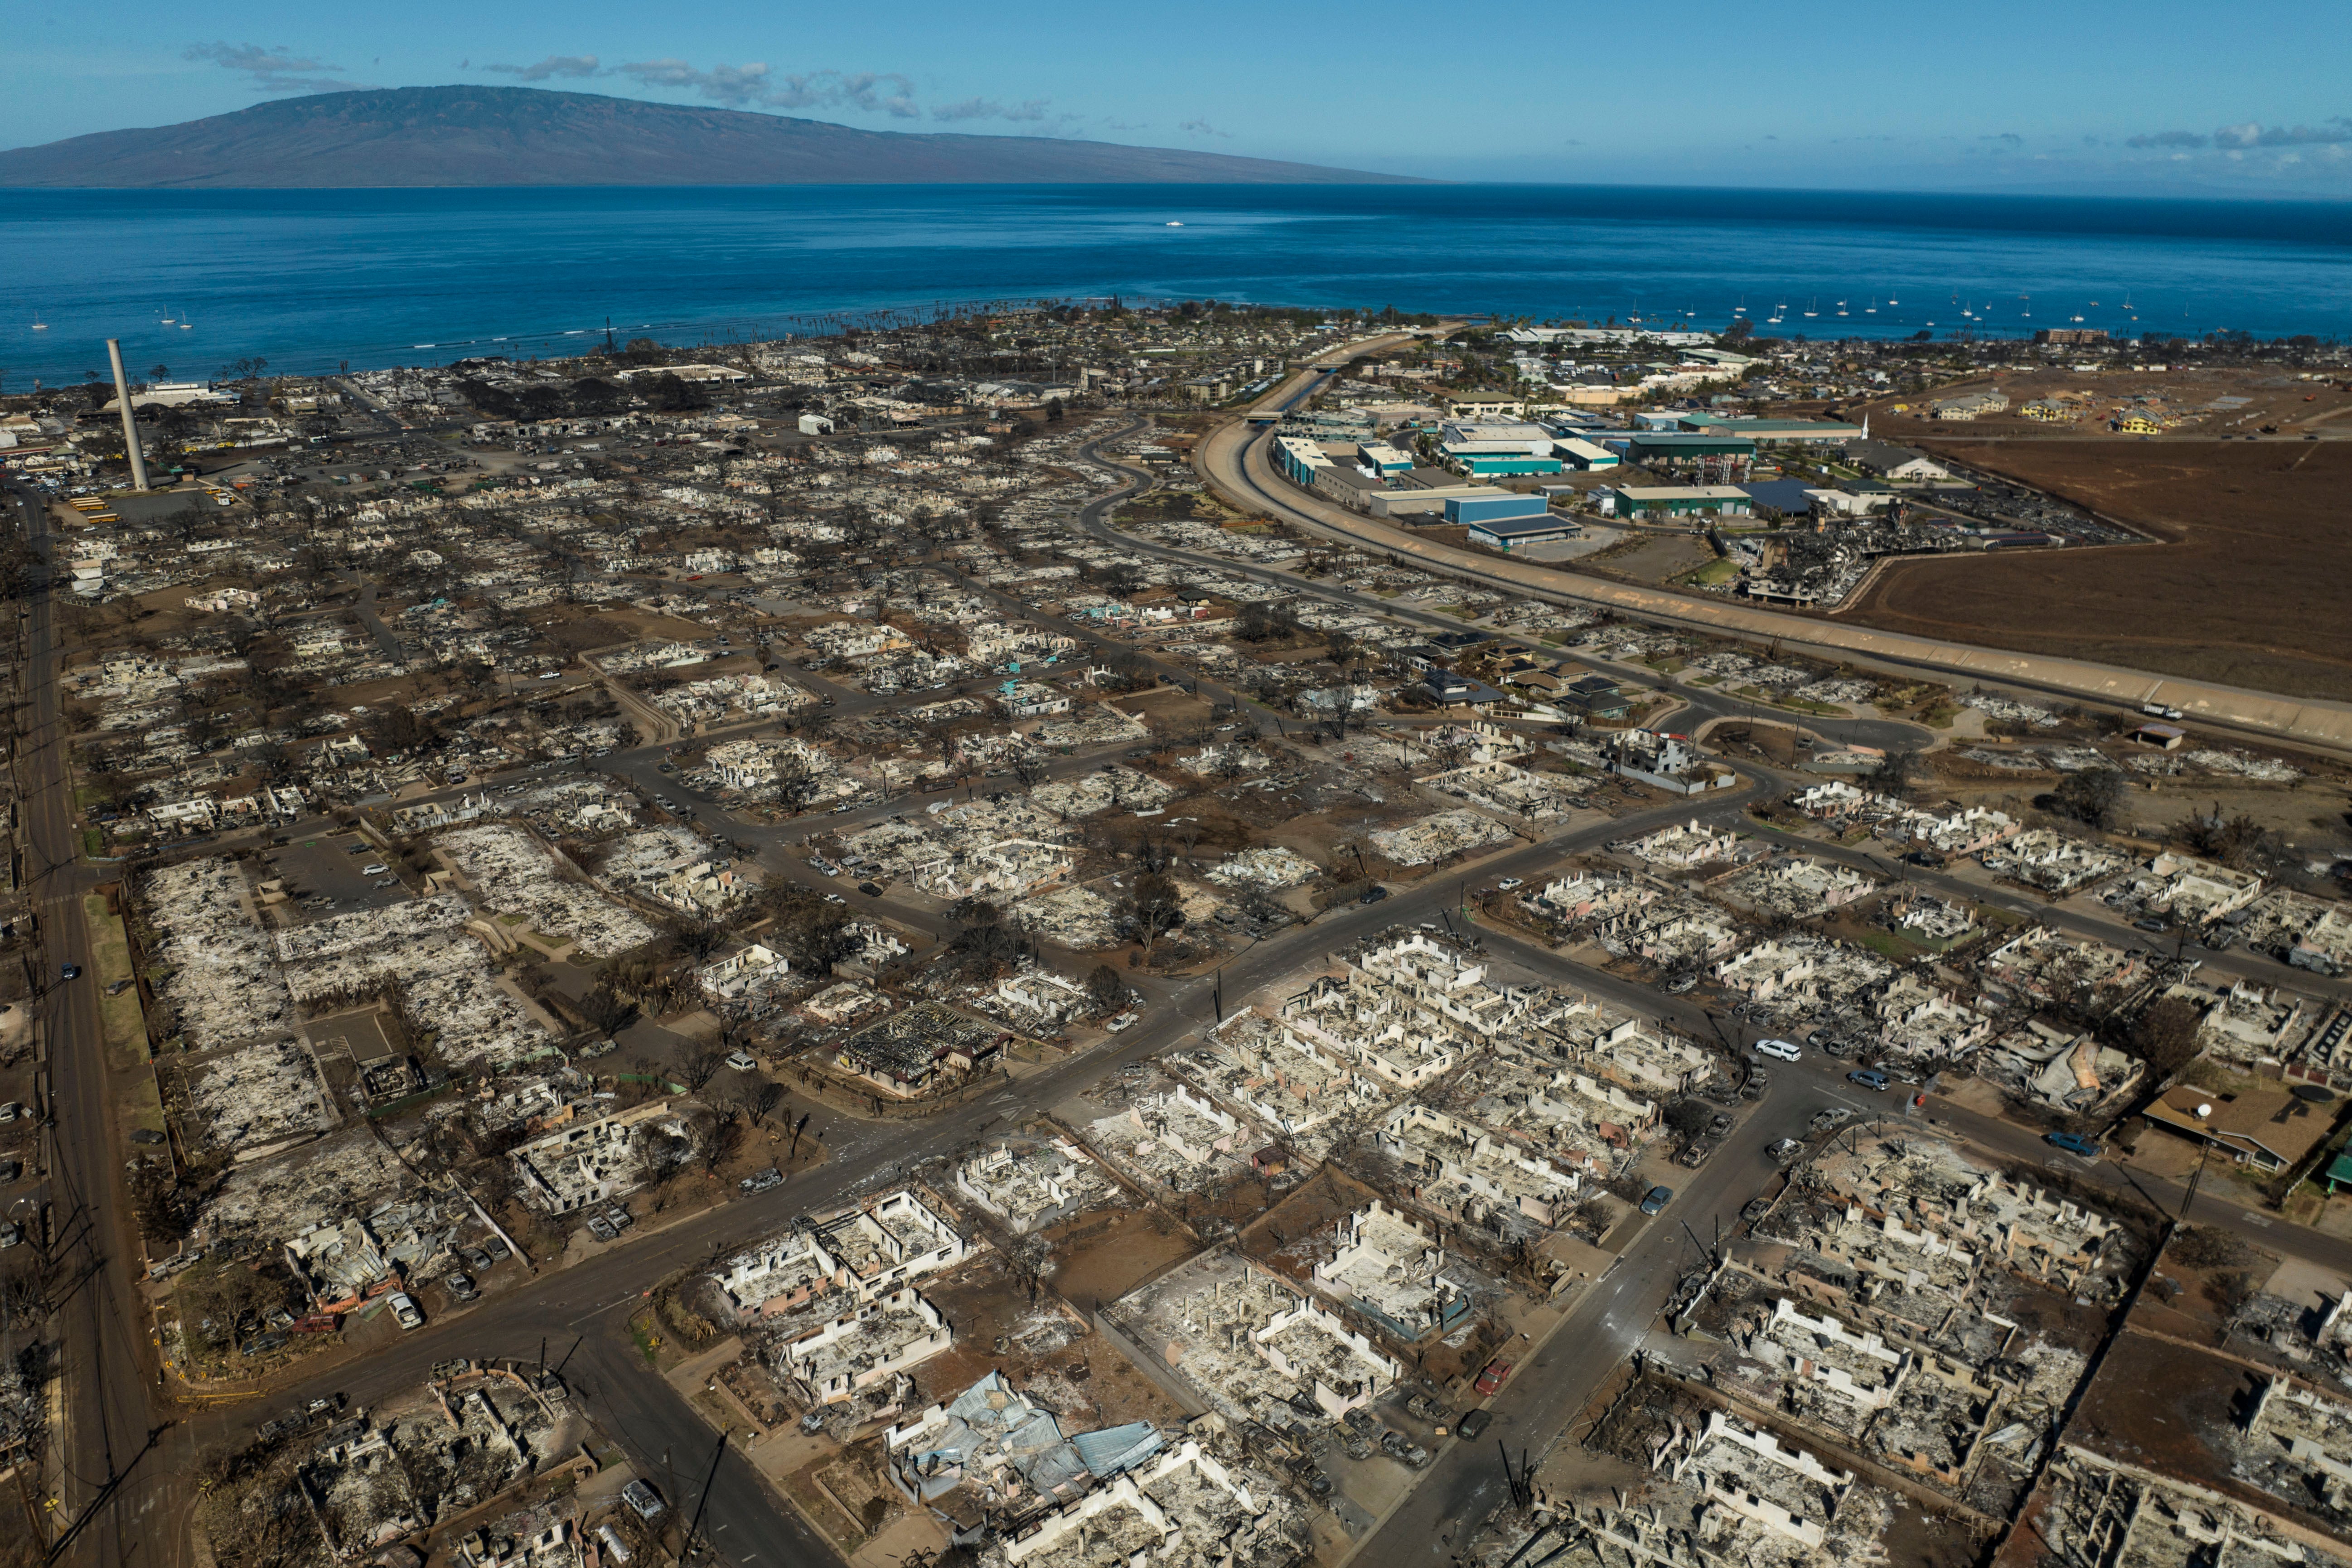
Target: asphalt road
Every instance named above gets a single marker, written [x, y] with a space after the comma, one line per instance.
[1701, 704]
[125, 1467]
[1232, 460]
[581, 1312]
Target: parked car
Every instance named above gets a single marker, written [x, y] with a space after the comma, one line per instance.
[1498, 1372]
[10, 1169]
[1655, 1200]
[1720, 1126]
[70, 970]
[374, 868]
[742, 1062]
[1508, 883]
[1476, 1422]
[11, 1234]
[870, 890]
[642, 1497]
[1825, 1119]
[1373, 894]
[1694, 1153]
[759, 1182]
[1869, 1078]
[473, 1258]
[601, 1228]
[1403, 1449]
[496, 1248]
[460, 1284]
[404, 1310]
[2073, 1143]
[1756, 1210]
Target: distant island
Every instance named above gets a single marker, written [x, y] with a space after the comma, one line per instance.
[412, 136]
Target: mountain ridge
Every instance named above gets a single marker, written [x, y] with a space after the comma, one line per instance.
[514, 136]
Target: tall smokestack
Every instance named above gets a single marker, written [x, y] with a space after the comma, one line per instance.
[130, 426]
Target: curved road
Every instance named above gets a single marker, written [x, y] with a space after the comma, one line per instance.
[1701, 704]
[1232, 459]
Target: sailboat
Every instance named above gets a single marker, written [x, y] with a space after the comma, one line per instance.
[1741, 308]
[1871, 309]
[1892, 301]
[39, 325]
[1841, 307]
[2076, 317]
[1812, 306]
[186, 325]
[168, 320]
[1779, 310]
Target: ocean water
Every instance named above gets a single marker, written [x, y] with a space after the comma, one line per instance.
[311, 279]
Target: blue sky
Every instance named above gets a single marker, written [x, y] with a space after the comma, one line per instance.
[2157, 98]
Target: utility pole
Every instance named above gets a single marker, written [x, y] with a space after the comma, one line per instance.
[686, 1549]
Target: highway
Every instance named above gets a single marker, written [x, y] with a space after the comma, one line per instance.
[126, 1466]
[1232, 461]
[131, 1455]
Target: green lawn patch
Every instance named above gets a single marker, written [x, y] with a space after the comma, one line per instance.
[110, 961]
[1714, 572]
[142, 1105]
[1889, 947]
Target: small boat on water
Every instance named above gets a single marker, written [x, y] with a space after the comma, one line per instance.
[1812, 307]
[1173, 224]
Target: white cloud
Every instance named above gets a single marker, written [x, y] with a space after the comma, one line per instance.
[1029, 112]
[552, 66]
[273, 69]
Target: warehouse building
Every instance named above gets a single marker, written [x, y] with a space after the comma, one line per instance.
[1678, 500]
[1513, 535]
[1675, 452]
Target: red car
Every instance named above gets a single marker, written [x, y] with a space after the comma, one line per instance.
[1494, 1377]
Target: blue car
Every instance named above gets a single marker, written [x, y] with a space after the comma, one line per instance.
[1869, 1078]
[2073, 1143]
[1656, 1199]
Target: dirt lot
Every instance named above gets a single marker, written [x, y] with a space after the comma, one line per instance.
[2159, 1405]
[2248, 589]
[1649, 557]
[1102, 1257]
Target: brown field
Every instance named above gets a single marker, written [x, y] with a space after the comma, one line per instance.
[2249, 588]
[2182, 399]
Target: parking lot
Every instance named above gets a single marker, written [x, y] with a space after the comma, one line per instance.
[330, 866]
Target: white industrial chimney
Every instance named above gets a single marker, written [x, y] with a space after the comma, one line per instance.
[130, 426]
